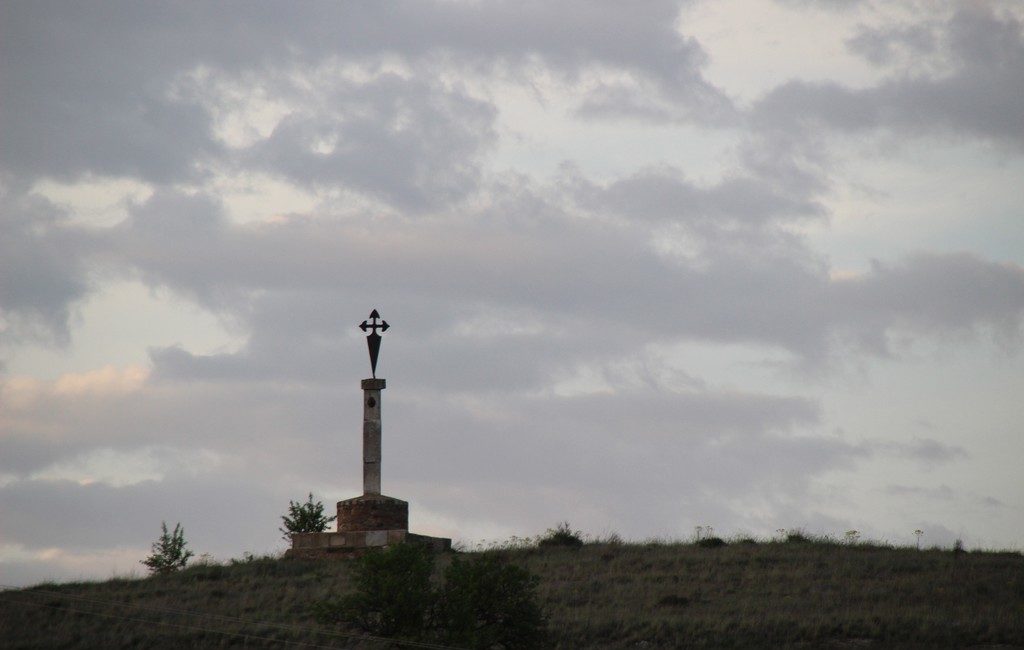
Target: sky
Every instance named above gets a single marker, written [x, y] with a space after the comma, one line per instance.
[747, 264]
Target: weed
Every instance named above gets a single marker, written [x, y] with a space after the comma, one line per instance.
[797, 536]
[561, 535]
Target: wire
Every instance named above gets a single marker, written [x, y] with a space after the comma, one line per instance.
[220, 617]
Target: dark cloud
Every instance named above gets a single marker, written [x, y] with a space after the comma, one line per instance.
[583, 280]
[496, 456]
[927, 450]
[933, 294]
[942, 493]
[109, 88]
[97, 516]
[977, 96]
[42, 269]
[410, 144]
[664, 194]
[893, 43]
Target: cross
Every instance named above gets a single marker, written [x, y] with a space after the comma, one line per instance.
[374, 316]
[373, 339]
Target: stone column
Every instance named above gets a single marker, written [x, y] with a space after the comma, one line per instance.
[371, 435]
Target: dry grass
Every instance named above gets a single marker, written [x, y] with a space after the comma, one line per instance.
[780, 594]
[810, 594]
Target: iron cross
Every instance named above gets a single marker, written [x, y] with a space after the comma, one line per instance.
[373, 339]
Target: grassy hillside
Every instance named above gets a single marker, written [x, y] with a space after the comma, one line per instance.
[781, 594]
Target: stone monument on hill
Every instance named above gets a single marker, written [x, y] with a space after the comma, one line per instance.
[373, 519]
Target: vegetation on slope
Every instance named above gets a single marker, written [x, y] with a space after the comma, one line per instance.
[810, 593]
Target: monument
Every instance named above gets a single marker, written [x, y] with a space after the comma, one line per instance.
[373, 519]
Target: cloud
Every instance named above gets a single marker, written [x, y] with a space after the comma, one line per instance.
[932, 294]
[413, 145]
[581, 281]
[664, 194]
[43, 269]
[109, 89]
[691, 448]
[975, 96]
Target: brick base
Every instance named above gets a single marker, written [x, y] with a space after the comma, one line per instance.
[366, 522]
[372, 512]
[321, 546]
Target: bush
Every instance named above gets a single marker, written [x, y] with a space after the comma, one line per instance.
[712, 542]
[486, 603]
[483, 602]
[169, 552]
[305, 517]
[393, 593]
[562, 535]
[797, 536]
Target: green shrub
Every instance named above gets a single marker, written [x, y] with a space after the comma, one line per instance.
[562, 535]
[483, 603]
[393, 593]
[305, 517]
[487, 603]
[169, 552]
[712, 542]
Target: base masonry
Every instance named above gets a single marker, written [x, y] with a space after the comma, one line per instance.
[369, 521]
[372, 520]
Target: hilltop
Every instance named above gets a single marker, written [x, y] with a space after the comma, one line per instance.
[800, 593]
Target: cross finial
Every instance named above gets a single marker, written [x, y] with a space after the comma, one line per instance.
[373, 339]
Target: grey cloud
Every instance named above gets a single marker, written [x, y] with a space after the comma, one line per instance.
[885, 45]
[978, 97]
[409, 143]
[932, 293]
[99, 516]
[842, 5]
[42, 269]
[698, 447]
[286, 420]
[586, 280]
[665, 194]
[85, 91]
[942, 493]
[90, 88]
[691, 452]
[924, 449]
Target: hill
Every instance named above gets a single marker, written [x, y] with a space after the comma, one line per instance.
[781, 594]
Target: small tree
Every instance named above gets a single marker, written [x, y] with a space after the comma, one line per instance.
[169, 552]
[305, 517]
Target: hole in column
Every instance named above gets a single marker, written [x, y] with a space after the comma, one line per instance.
[371, 402]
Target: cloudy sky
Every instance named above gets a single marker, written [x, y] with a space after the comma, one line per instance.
[751, 264]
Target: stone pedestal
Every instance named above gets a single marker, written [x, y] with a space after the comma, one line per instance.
[372, 520]
[372, 512]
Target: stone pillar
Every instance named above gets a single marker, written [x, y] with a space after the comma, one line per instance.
[371, 435]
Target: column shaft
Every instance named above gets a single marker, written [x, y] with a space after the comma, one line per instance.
[371, 435]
